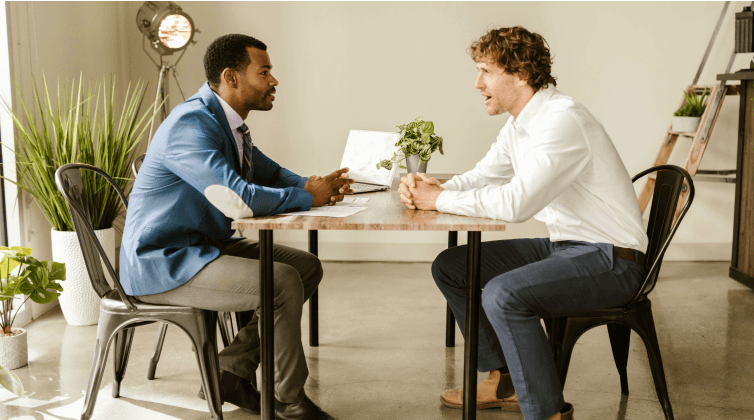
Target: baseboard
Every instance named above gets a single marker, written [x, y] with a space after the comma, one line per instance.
[426, 252]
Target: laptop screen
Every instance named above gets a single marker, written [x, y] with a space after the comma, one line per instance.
[364, 150]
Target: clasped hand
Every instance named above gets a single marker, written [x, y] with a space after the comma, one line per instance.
[329, 189]
[419, 191]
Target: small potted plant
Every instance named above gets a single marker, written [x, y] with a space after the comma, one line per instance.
[22, 274]
[417, 143]
[687, 118]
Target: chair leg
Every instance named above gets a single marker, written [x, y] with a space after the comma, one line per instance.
[646, 330]
[563, 338]
[314, 319]
[121, 351]
[98, 368]
[450, 328]
[223, 318]
[204, 337]
[157, 350]
[620, 339]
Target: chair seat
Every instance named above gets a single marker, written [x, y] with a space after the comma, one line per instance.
[112, 303]
[617, 312]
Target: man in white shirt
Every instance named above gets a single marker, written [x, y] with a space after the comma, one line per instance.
[552, 161]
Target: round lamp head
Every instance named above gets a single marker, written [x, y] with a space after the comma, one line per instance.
[168, 28]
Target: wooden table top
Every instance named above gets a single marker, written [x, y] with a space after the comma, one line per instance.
[384, 212]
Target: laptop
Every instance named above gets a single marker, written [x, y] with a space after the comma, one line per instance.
[364, 150]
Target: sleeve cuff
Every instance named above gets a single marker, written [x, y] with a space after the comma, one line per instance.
[451, 185]
[445, 200]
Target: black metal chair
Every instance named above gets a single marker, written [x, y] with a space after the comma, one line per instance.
[637, 314]
[120, 313]
[227, 332]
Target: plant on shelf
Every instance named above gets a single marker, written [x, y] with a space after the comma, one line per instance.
[417, 138]
[694, 106]
[22, 274]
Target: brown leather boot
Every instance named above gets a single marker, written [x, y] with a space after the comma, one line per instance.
[566, 413]
[493, 392]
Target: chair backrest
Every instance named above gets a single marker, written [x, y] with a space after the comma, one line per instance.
[70, 185]
[669, 184]
[137, 164]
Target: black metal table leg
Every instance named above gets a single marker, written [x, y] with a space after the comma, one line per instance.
[450, 319]
[473, 297]
[314, 301]
[266, 320]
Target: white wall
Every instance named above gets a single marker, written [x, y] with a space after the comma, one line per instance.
[60, 41]
[371, 65]
[376, 65]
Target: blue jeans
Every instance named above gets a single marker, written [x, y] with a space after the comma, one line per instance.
[524, 280]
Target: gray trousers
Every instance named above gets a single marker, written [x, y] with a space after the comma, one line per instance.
[230, 283]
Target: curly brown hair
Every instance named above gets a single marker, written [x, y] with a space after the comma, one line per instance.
[518, 51]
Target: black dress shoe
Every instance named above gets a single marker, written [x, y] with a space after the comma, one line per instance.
[239, 392]
[304, 410]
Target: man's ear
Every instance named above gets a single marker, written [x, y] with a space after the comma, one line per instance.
[230, 77]
[523, 78]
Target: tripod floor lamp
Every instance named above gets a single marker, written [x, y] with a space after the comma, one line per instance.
[169, 30]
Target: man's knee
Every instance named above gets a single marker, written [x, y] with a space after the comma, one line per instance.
[499, 297]
[314, 272]
[445, 268]
[288, 287]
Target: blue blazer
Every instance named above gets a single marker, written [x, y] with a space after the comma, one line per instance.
[172, 230]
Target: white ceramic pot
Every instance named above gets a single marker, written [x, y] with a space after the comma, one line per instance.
[415, 165]
[14, 352]
[686, 124]
[79, 302]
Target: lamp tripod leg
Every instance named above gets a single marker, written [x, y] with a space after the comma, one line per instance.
[163, 69]
[178, 82]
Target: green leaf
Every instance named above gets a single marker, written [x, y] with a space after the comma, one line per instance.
[428, 127]
[11, 382]
[57, 270]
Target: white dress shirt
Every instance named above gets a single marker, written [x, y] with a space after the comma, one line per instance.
[234, 121]
[556, 163]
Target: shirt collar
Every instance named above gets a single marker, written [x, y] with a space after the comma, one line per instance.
[532, 108]
[234, 120]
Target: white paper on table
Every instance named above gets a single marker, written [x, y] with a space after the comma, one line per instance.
[353, 202]
[329, 211]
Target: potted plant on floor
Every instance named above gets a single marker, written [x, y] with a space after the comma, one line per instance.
[22, 274]
[687, 118]
[417, 143]
[78, 125]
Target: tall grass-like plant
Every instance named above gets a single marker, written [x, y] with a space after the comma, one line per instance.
[71, 127]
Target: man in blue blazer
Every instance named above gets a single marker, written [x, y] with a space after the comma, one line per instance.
[201, 171]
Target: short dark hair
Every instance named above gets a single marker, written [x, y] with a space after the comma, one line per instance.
[228, 52]
[518, 51]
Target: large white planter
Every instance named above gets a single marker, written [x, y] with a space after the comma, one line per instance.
[79, 302]
[14, 352]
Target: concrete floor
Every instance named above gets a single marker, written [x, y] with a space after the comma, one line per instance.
[382, 356]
